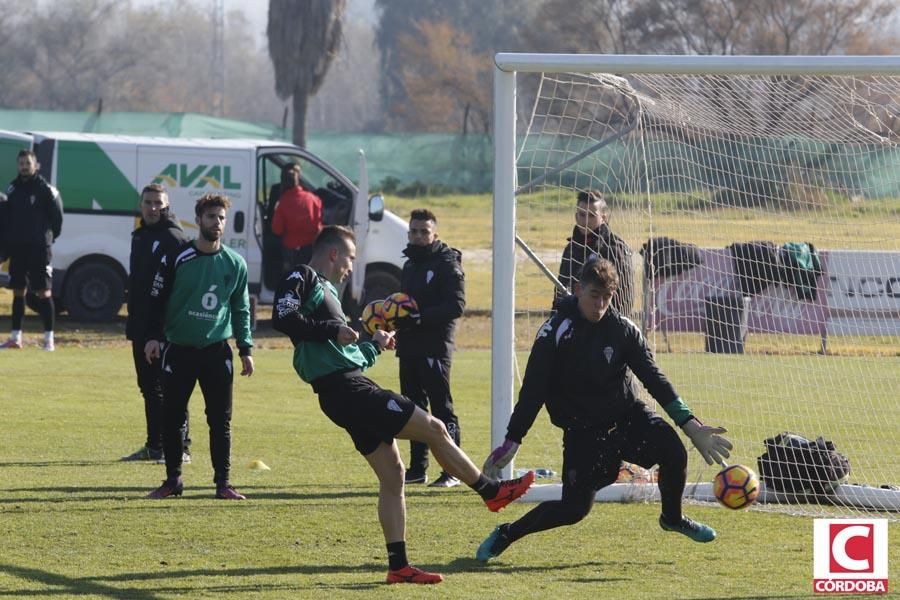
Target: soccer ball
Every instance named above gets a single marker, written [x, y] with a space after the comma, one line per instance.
[398, 305]
[736, 487]
[372, 317]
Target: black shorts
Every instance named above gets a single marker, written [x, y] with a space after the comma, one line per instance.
[29, 267]
[370, 414]
[591, 457]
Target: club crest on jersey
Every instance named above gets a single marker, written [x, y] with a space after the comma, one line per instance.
[429, 276]
[608, 353]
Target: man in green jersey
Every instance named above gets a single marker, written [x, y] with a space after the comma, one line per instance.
[198, 300]
[327, 355]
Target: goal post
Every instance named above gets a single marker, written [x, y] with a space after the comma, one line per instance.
[749, 165]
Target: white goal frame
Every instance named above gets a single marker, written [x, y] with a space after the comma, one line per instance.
[507, 65]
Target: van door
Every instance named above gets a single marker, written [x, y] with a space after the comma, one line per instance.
[336, 192]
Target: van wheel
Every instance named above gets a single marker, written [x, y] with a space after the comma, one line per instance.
[380, 284]
[94, 292]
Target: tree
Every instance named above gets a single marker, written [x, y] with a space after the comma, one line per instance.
[490, 26]
[446, 83]
[726, 27]
[303, 40]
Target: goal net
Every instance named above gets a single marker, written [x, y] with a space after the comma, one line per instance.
[756, 204]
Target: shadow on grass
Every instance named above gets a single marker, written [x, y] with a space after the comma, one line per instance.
[99, 586]
[67, 586]
[100, 493]
[56, 463]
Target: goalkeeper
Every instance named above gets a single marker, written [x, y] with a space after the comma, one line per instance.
[326, 355]
[581, 367]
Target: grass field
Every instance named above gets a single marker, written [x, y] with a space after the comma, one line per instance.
[74, 524]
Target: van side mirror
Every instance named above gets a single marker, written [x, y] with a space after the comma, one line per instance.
[376, 207]
[239, 221]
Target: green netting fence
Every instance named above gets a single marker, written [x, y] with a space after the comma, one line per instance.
[433, 163]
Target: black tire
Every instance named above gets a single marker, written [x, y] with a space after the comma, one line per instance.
[94, 292]
[380, 283]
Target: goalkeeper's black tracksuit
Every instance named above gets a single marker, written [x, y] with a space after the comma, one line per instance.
[433, 277]
[582, 372]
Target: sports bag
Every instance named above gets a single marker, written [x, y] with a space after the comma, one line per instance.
[796, 465]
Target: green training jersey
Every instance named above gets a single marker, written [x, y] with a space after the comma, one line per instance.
[199, 299]
[308, 309]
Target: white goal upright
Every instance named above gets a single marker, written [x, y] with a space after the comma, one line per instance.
[760, 200]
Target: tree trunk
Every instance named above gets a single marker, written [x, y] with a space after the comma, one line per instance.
[300, 103]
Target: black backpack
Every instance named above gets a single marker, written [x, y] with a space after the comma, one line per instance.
[795, 465]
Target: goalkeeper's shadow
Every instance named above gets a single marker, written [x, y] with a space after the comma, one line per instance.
[470, 565]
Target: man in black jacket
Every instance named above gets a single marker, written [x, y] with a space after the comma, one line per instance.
[433, 277]
[159, 233]
[33, 220]
[593, 237]
[582, 367]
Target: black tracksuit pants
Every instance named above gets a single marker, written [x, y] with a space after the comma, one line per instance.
[149, 380]
[182, 368]
[427, 381]
[591, 460]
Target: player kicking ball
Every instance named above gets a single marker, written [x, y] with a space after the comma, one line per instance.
[581, 367]
[327, 355]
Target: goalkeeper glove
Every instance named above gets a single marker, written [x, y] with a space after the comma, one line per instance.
[499, 458]
[712, 446]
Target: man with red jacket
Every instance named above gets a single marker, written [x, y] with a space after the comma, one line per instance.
[297, 219]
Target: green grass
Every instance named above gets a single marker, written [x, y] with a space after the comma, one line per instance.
[73, 522]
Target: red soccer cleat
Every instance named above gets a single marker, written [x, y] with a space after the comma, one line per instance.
[509, 491]
[410, 574]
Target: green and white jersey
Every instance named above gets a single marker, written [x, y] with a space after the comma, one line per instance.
[307, 308]
[199, 299]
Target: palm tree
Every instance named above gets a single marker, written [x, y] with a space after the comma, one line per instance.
[304, 36]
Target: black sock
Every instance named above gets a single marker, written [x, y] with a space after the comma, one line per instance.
[47, 311]
[18, 312]
[397, 555]
[486, 488]
[503, 540]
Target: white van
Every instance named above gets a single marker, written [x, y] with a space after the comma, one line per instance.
[100, 178]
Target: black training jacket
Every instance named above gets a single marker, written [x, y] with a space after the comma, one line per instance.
[604, 243]
[149, 243]
[33, 213]
[582, 371]
[434, 278]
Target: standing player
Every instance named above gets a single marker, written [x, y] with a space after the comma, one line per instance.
[580, 367]
[33, 216]
[158, 234]
[433, 277]
[327, 356]
[592, 237]
[199, 298]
